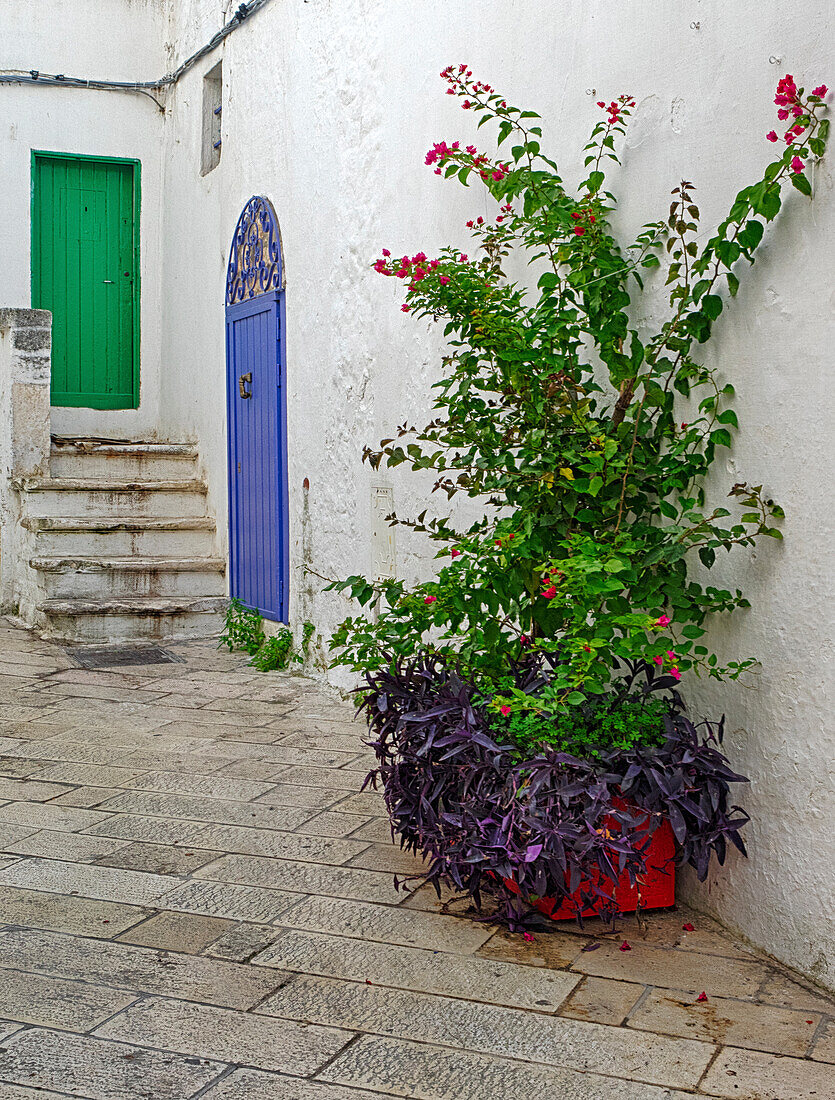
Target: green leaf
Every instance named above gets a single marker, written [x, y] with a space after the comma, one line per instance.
[751, 235]
[721, 437]
[595, 181]
[801, 183]
[595, 485]
[728, 417]
[712, 306]
[733, 283]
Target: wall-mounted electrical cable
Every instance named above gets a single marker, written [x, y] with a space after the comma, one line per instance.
[141, 87]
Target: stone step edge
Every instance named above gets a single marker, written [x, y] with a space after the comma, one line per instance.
[100, 564]
[62, 445]
[136, 605]
[104, 524]
[107, 485]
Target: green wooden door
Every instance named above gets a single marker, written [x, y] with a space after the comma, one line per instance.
[85, 269]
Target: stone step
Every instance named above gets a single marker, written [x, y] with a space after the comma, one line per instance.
[141, 617]
[151, 537]
[131, 460]
[84, 577]
[77, 496]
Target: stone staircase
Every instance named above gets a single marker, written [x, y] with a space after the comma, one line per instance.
[121, 547]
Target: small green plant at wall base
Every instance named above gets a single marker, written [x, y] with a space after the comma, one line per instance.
[242, 628]
[276, 652]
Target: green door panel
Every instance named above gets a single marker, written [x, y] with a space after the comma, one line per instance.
[85, 269]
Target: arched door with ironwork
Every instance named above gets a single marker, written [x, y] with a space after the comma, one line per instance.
[257, 413]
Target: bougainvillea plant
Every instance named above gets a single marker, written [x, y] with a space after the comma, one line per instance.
[562, 413]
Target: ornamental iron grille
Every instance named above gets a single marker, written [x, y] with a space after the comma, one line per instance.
[255, 265]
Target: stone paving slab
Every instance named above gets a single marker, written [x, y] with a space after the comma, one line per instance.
[98, 1070]
[30, 790]
[423, 971]
[72, 846]
[167, 974]
[178, 932]
[11, 834]
[305, 878]
[603, 1001]
[753, 1075]
[45, 815]
[199, 808]
[674, 969]
[368, 921]
[105, 883]
[235, 1037]
[241, 790]
[433, 1073]
[57, 1003]
[161, 859]
[223, 899]
[21, 1092]
[488, 1029]
[728, 1022]
[66, 913]
[253, 1084]
[242, 942]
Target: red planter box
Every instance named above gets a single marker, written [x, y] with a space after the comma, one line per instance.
[656, 888]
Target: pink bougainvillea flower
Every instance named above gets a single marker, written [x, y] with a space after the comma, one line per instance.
[771, 135]
[527, 937]
[689, 927]
[670, 655]
[658, 659]
[511, 535]
[505, 710]
[455, 552]
[576, 215]
[523, 640]
[783, 114]
[579, 231]
[674, 672]
[430, 599]
[386, 252]
[624, 946]
[663, 620]
[797, 110]
[821, 90]
[587, 648]
[797, 164]
[463, 258]
[443, 280]
[702, 996]
[600, 103]
[405, 308]
[684, 424]
[549, 592]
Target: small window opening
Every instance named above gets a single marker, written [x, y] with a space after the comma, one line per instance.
[212, 116]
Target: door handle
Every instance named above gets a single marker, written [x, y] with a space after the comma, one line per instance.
[242, 381]
[110, 281]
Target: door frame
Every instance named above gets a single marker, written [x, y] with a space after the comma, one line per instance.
[137, 209]
[234, 312]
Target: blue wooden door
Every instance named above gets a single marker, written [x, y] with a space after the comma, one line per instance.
[255, 388]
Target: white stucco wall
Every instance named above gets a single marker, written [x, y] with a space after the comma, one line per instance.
[329, 108]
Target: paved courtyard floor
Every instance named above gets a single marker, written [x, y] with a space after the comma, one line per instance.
[196, 901]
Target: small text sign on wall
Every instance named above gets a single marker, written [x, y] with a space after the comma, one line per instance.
[382, 535]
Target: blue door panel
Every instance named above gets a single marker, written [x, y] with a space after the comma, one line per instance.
[257, 474]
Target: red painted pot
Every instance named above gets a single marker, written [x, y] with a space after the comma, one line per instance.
[655, 889]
